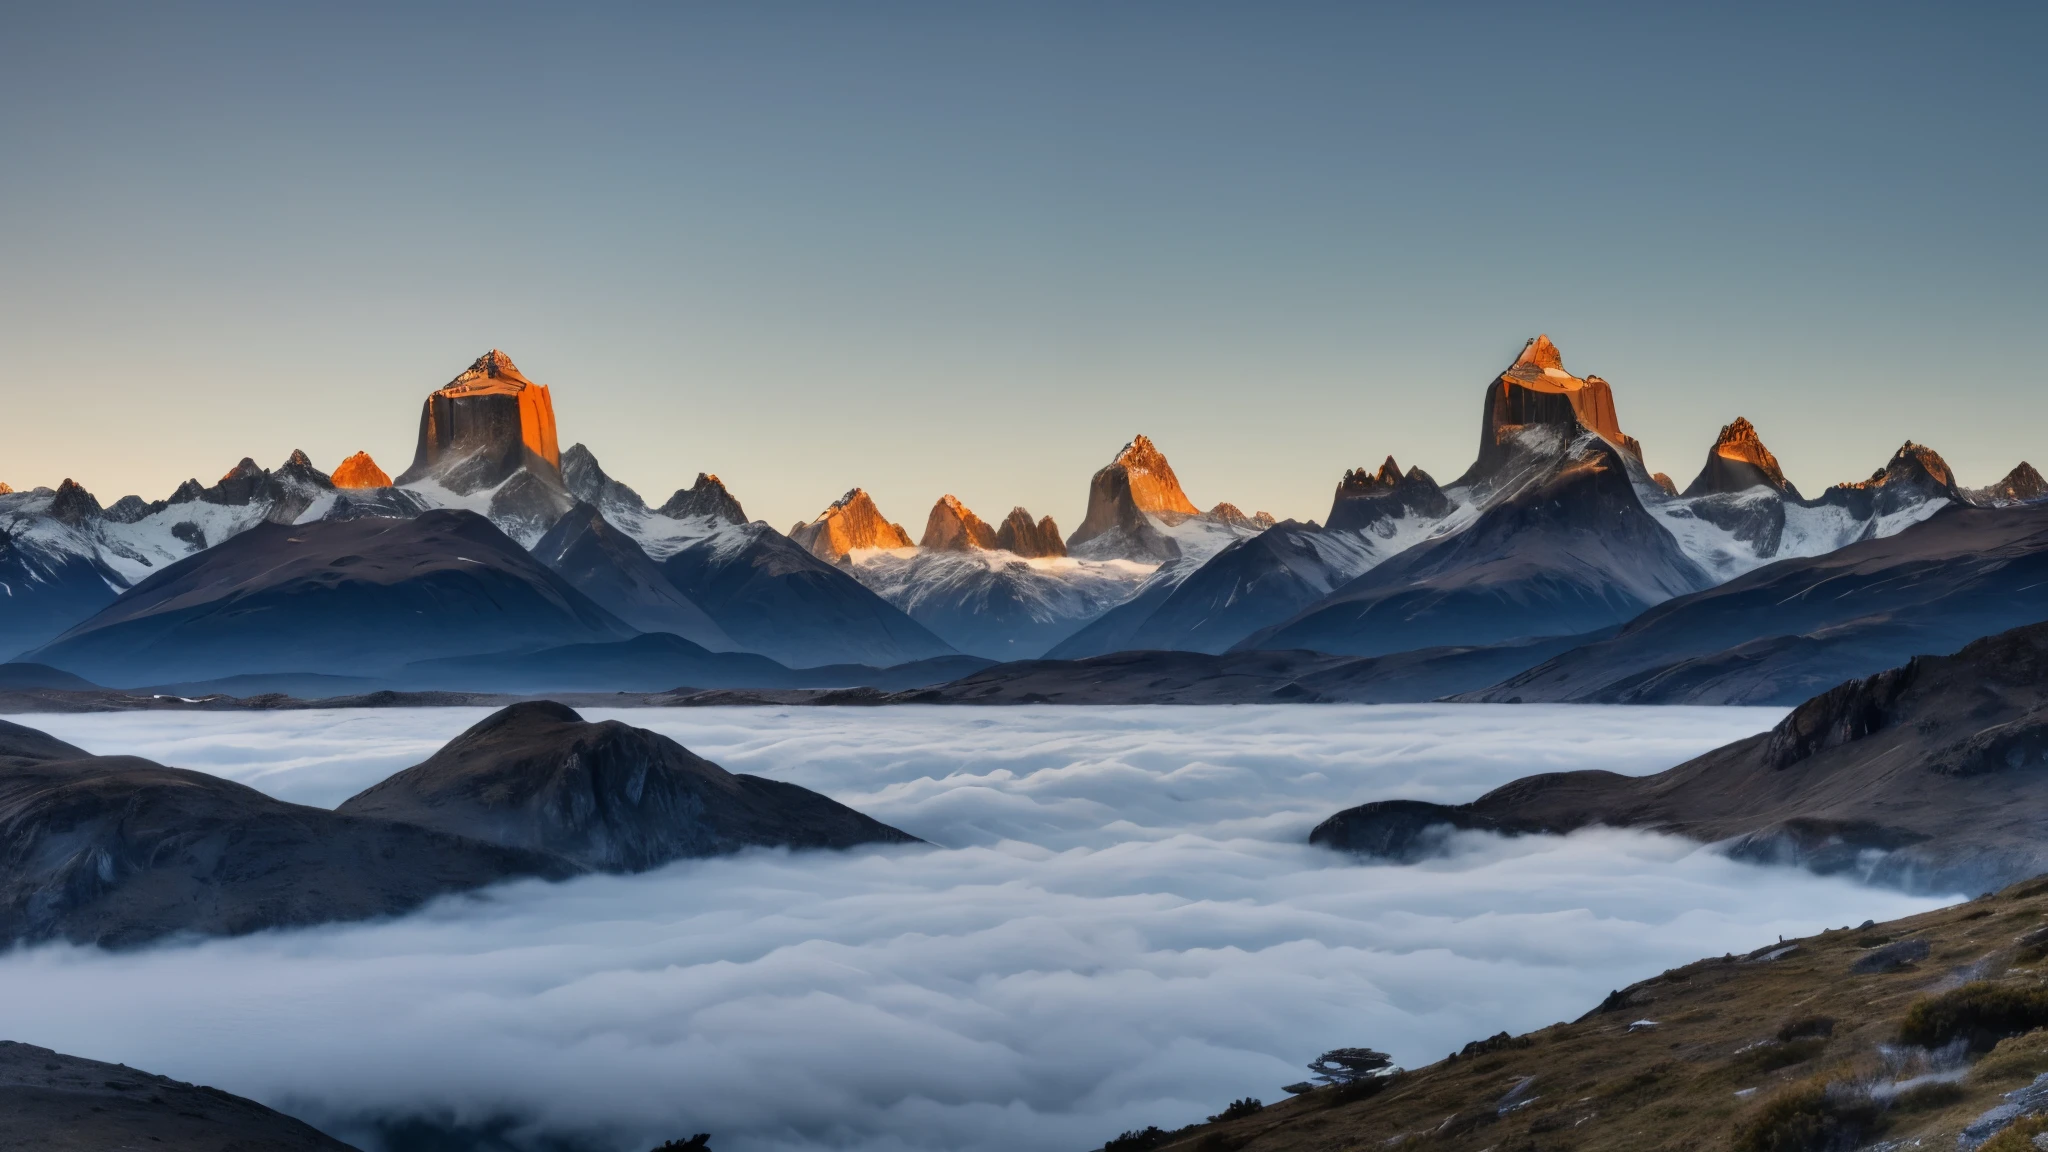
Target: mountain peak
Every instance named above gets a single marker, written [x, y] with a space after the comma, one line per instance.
[707, 497]
[4, 488]
[73, 504]
[487, 368]
[1738, 461]
[1540, 354]
[1536, 392]
[1137, 482]
[850, 523]
[2021, 485]
[953, 527]
[1019, 535]
[359, 471]
[487, 423]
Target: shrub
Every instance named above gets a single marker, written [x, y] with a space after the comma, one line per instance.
[1806, 1026]
[1808, 1117]
[1238, 1110]
[2015, 1058]
[1139, 1140]
[1929, 1097]
[1982, 1013]
[1771, 1057]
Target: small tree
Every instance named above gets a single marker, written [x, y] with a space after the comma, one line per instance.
[1350, 1065]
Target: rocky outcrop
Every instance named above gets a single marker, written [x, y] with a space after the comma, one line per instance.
[610, 797]
[707, 497]
[1120, 495]
[1921, 777]
[953, 527]
[1019, 534]
[1737, 462]
[58, 1103]
[1365, 498]
[1535, 392]
[5, 490]
[2022, 485]
[359, 471]
[851, 522]
[484, 425]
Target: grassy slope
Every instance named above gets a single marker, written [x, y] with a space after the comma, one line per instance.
[1599, 1086]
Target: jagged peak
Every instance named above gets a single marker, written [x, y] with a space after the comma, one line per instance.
[491, 366]
[73, 504]
[1364, 480]
[360, 471]
[5, 488]
[298, 459]
[247, 468]
[2022, 483]
[1664, 481]
[848, 524]
[1019, 534]
[1539, 353]
[952, 526]
[707, 497]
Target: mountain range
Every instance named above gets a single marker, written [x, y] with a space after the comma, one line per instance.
[1555, 567]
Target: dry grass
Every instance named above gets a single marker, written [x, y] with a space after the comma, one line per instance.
[1799, 1037]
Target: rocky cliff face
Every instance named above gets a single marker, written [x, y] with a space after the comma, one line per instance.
[851, 522]
[1365, 498]
[707, 497]
[1535, 392]
[483, 426]
[1020, 535]
[953, 527]
[1737, 462]
[1137, 481]
[359, 471]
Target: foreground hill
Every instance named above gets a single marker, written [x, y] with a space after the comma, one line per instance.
[117, 850]
[1793, 628]
[1832, 1042]
[50, 1102]
[359, 596]
[1928, 776]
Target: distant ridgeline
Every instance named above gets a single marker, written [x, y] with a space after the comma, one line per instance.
[1556, 567]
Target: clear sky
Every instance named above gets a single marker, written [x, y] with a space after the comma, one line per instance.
[973, 248]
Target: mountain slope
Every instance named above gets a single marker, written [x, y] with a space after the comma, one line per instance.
[50, 1102]
[1788, 630]
[606, 796]
[339, 597]
[1926, 776]
[608, 566]
[1572, 552]
[772, 596]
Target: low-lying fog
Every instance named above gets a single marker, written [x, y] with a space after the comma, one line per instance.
[1121, 925]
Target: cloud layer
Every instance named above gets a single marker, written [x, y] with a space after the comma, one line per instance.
[1122, 927]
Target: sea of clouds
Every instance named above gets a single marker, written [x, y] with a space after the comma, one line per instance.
[1118, 924]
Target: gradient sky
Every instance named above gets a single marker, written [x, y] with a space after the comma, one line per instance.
[973, 248]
